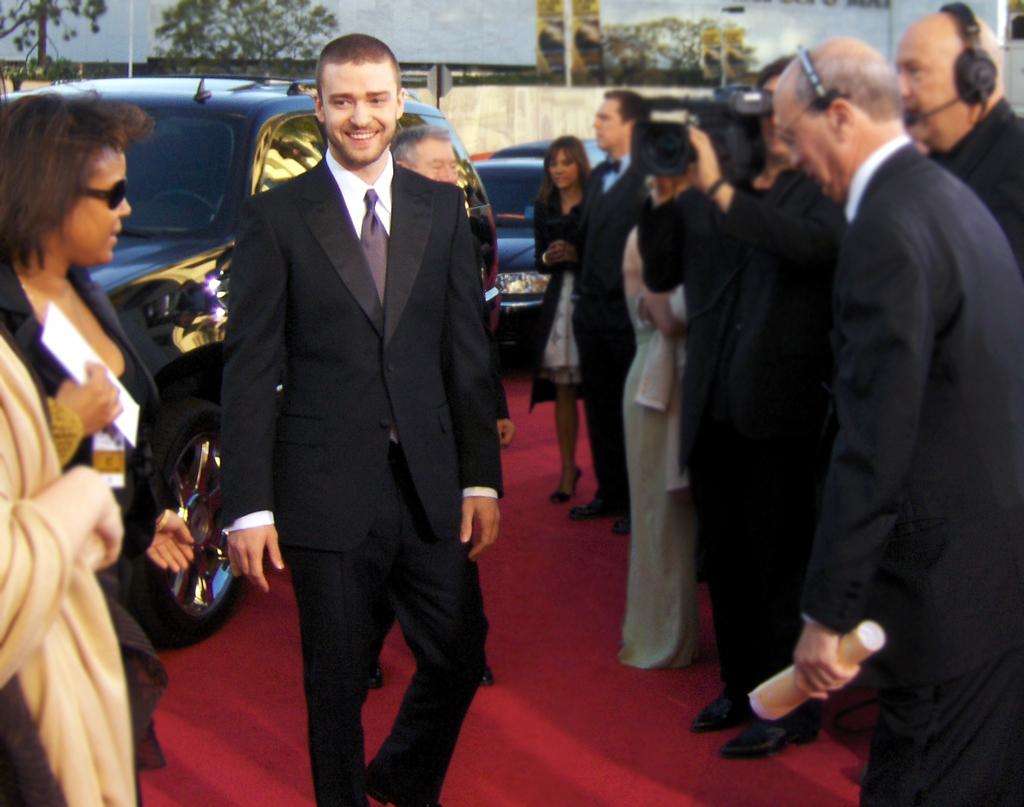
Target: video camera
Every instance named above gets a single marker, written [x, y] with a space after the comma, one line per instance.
[732, 121]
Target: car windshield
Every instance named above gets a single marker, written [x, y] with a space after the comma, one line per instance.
[511, 193]
[179, 177]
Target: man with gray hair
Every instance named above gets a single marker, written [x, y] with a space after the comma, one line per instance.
[427, 150]
[951, 83]
[923, 500]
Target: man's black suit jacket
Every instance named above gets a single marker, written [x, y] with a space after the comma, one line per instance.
[758, 280]
[305, 314]
[607, 219]
[990, 160]
[923, 503]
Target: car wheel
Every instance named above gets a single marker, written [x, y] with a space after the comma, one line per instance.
[178, 609]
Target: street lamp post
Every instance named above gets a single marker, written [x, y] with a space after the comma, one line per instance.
[721, 35]
[131, 37]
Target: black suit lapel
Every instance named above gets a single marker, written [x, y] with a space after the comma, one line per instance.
[899, 161]
[410, 228]
[592, 194]
[622, 192]
[329, 221]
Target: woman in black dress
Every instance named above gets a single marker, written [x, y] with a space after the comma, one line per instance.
[556, 231]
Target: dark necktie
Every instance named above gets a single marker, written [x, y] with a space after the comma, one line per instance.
[375, 243]
[613, 166]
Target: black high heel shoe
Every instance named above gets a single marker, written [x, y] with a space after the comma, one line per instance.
[560, 496]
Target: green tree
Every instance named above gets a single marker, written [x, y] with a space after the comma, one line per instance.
[663, 51]
[30, 21]
[254, 32]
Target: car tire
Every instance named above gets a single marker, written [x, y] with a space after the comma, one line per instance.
[179, 609]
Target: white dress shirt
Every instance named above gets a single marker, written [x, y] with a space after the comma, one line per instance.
[609, 179]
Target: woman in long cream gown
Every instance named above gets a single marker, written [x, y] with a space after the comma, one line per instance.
[58, 644]
[660, 624]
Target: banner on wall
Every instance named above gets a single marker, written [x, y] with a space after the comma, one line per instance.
[586, 36]
[711, 53]
[550, 36]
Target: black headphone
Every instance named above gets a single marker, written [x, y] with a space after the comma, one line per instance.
[823, 98]
[974, 72]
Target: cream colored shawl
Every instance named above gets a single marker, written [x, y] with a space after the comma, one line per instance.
[55, 629]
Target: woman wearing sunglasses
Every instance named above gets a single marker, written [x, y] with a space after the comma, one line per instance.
[62, 202]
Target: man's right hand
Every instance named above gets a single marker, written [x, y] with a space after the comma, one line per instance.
[245, 550]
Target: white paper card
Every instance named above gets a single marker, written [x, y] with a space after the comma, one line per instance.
[64, 341]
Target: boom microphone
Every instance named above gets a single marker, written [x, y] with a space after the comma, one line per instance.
[911, 118]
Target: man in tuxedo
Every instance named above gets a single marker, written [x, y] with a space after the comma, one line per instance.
[756, 261]
[924, 496]
[612, 201]
[354, 287]
[952, 89]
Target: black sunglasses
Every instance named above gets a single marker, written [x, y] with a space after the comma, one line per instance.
[113, 196]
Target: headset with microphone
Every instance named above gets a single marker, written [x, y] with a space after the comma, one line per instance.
[823, 97]
[974, 72]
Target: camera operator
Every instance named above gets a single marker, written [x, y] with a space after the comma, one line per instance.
[757, 265]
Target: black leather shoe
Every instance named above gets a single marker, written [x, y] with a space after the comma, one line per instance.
[597, 508]
[374, 792]
[376, 678]
[487, 679]
[722, 713]
[622, 526]
[765, 738]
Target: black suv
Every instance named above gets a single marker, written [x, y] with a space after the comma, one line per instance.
[215, 142]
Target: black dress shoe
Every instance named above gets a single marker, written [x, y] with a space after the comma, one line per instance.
[597, 508]
[722, 713]
[560, 496]
[765, 738]
[487, 679]
[374, 792]
[376, 677]
[622, 525]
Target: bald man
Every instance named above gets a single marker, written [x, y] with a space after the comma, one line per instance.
[974, 133]
[923, 501]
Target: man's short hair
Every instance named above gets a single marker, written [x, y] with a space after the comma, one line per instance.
[771, 70]
[867, 82]
[632, 106]
[356, 49]
[407, 140]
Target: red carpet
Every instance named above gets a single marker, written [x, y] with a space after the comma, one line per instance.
[565, 726]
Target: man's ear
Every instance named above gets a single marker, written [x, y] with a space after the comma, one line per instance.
[840, 115]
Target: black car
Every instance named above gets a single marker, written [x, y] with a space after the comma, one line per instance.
[512, 185]
[215, 142]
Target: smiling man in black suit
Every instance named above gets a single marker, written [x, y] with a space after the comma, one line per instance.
[355, 287]
[923, 502]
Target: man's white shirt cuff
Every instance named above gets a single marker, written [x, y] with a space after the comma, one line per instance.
[263, 518]
[489, 493]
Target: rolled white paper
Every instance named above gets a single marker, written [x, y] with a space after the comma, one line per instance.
[779, 695]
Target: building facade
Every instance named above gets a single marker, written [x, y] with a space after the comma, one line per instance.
[505, 34]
